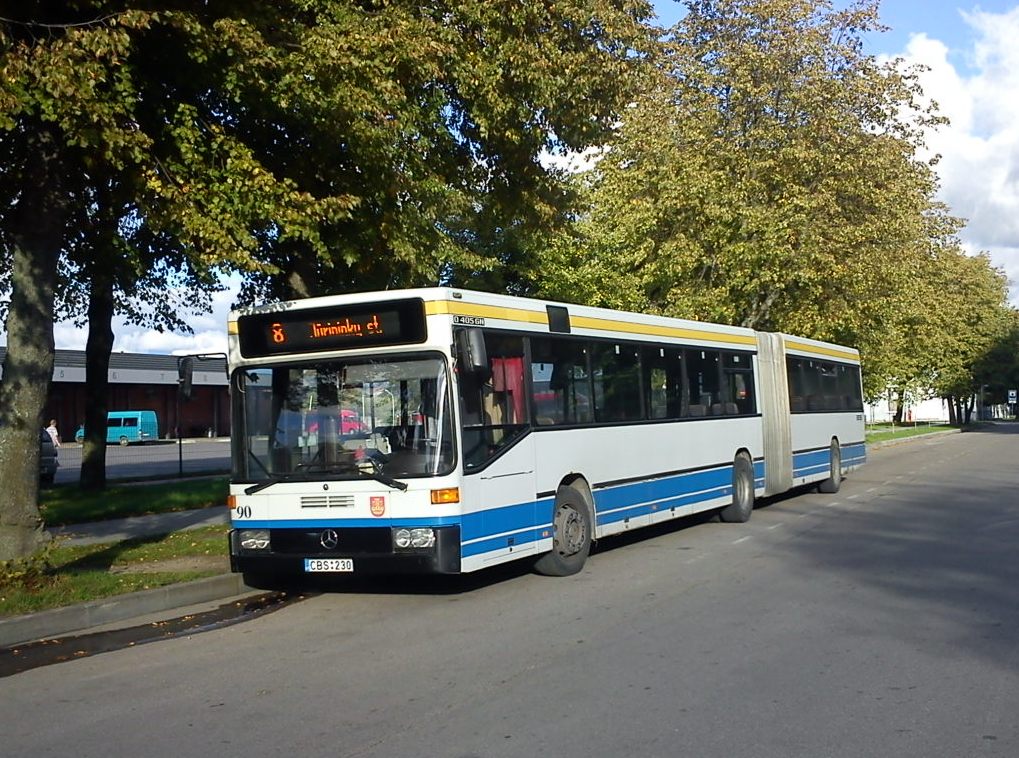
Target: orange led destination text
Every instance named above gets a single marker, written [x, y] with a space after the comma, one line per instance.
[346, 328]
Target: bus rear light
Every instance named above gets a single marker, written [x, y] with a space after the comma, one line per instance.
[231, 501]
[448, 495]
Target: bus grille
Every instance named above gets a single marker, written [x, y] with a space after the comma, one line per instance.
[327, 501]
[308, 542]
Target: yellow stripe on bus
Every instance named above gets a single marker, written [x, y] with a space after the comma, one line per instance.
[818, 350]
[446, 307]
[434, 307]
[651, 330]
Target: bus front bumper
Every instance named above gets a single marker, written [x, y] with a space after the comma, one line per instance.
[318, 552]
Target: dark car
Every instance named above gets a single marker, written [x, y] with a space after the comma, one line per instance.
[47, 458]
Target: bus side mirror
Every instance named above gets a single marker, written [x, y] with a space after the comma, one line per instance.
[471, 354]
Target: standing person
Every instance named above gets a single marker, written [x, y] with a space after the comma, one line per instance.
[54, 434]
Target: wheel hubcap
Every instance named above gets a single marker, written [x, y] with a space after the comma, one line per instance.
[570, 530]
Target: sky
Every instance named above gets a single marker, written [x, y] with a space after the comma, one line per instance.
[970, 50]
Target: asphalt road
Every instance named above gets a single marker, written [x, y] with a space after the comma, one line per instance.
[881, 621]
[154, 459]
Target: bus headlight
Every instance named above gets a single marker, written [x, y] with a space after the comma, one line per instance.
[413, 539]
[253, 539]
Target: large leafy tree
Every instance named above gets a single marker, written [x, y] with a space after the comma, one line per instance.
[434, 117]
[316, 144]
[767, 177]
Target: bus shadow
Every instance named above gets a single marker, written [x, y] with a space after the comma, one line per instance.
[412, 584]
[398, 584]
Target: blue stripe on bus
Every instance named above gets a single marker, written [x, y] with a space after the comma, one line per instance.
[621, 503]
[508, 518]
[520, 539]
[344, 522]
[485, 531]
[819, 461]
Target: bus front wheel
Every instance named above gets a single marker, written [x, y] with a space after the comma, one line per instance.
[571, 535]
[742, 504]
[123, 441]
[831, 485]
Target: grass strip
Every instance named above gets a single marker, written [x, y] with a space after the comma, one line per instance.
[885, 432]
[66, 504]
[77, 574]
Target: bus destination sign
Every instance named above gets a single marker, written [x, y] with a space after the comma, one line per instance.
[337, 328]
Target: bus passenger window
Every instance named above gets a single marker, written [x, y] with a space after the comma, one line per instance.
[559, 381]
[703, 372]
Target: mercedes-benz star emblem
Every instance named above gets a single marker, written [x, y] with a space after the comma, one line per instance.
[329, 539]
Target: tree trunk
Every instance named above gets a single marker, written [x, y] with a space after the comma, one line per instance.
[953, 411]
[36, 225]
[899, 402]
[97, 371]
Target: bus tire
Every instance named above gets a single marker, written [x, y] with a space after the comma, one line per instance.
[124, 441]
[571, 535]
[831, 485]
[742, 505]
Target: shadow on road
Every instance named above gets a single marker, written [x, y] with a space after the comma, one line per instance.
[934, 555]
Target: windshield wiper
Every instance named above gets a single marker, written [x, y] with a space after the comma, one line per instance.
[268, 483]
[378, 476]
[331, 470]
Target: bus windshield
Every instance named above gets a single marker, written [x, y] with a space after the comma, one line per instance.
[344, 419]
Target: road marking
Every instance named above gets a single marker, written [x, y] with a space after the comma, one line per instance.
[775, 526]
[741, 539]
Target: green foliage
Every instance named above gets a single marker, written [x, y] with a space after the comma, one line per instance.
[317, 145]
[26, 573]
[768, 176]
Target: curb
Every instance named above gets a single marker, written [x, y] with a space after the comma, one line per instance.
[49, 624]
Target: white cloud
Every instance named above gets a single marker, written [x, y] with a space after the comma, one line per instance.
[979, 167]
[209, 331]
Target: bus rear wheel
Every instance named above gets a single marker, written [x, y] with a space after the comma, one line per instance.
[831, 485]
[571, 535]
[742, 505]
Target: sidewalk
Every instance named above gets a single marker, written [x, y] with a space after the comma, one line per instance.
[114, 530]
[134, 607]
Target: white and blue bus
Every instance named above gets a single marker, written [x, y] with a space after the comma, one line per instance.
[444, 430]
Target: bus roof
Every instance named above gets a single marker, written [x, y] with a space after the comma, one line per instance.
[533, 314]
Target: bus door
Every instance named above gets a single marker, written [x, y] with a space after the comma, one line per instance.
[498, 453]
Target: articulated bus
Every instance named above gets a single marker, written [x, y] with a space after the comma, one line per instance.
[444, 431]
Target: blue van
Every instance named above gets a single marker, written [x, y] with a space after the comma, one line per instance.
[125, 427]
